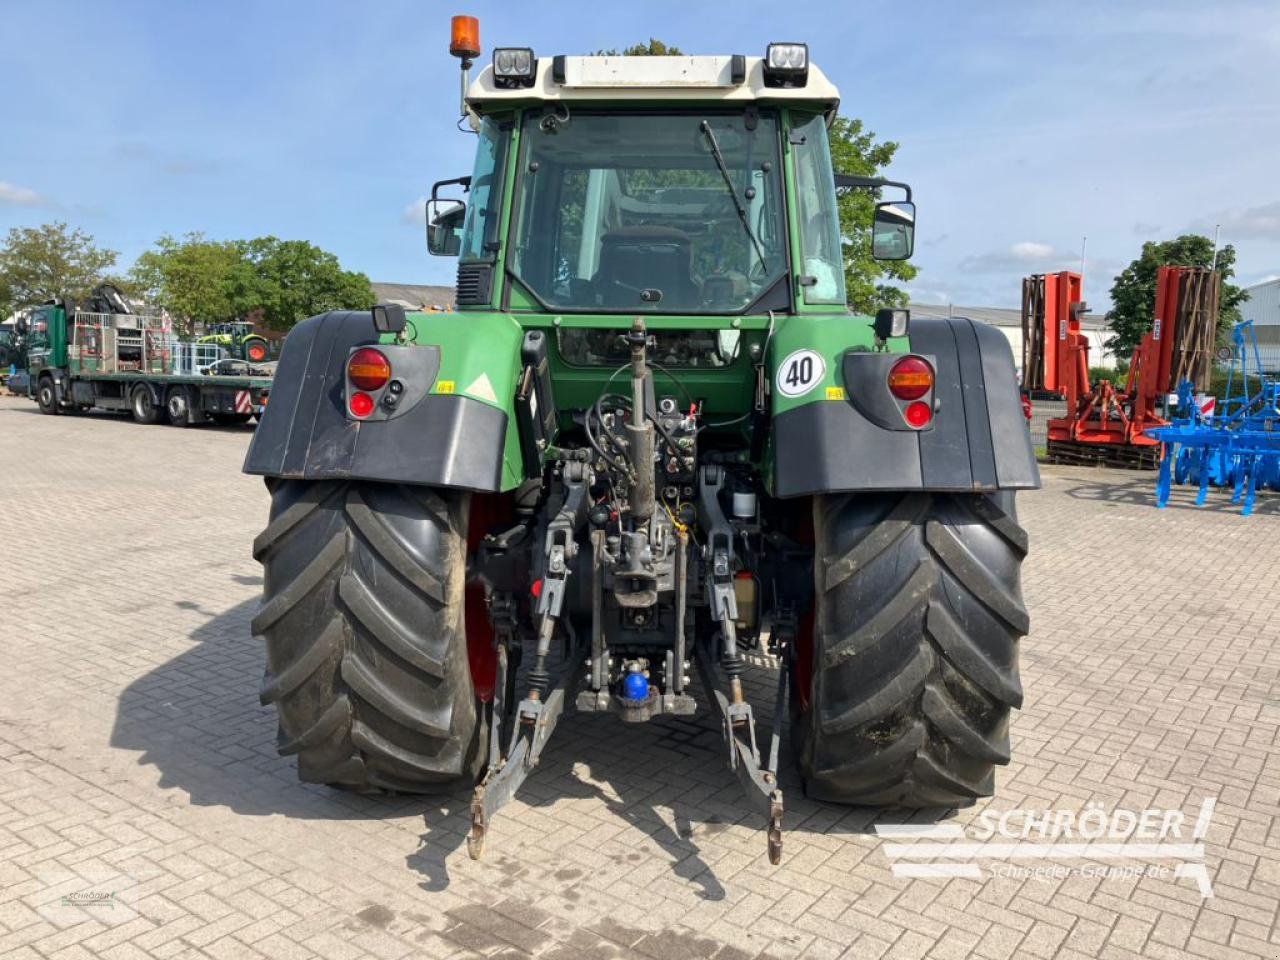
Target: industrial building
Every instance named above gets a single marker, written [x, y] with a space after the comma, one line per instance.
[1263, 308]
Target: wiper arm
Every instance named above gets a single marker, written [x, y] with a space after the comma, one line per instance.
[733, 191]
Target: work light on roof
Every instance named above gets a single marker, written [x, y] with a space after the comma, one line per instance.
[786, 65]
[514, 66]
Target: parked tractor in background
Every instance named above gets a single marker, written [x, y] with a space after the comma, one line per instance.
[239, 340]
[651, 438]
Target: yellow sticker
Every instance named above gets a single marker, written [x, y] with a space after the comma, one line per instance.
[835, 393]
[444, 386]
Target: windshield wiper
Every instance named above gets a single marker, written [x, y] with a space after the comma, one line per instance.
[733, 191]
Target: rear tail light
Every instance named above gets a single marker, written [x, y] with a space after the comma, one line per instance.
[910, 379]
[918, 414]
[361, 405]
[368, 369]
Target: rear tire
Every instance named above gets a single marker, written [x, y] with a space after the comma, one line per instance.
[914, 652]
[47, 397]
[363, 620]
[178, 407]
[144, 411]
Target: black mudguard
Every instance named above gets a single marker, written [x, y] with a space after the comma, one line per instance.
[305, 432]
[978, 440]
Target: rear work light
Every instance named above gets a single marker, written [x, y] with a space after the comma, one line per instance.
[910, 378]
[368, 369]
[786, 65]
[514, 67]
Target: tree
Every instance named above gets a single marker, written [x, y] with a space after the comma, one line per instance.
[49, 261]
[1133, 295]
[294, 279]
[654, 48]
[854, 150]
[207, 281]
[212, 281]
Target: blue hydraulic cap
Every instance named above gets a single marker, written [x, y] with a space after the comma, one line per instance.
[635, 687]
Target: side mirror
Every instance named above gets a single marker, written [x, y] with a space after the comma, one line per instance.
[388, 318]
[893, 232]
[891, 323]
[22, 325]
[444, 227]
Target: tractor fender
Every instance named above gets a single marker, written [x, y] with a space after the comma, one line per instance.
[978, 440]
[305, 432]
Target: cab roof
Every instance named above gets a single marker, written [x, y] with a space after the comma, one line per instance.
[613, 79]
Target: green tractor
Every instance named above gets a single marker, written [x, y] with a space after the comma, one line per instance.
[651, 440]
[239, 340]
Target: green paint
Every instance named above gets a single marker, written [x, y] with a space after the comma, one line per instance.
[830, 335]
[474, 346]
[50, 351]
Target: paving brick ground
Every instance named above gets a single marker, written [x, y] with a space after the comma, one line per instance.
[137, 767]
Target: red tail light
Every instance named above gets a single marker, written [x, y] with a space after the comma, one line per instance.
[910, 378]
[361, 405]
[918, 414]
[368, 369]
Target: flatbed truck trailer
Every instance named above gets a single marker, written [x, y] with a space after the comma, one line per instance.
[82, 360]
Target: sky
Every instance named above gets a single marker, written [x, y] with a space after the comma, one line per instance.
[1023, 127]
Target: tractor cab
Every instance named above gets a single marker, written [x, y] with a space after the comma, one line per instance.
[665, 186]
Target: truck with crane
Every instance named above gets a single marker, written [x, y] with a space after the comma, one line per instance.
[652, 437]
[97, 353]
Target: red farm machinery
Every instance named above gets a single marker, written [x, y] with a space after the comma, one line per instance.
[1103, 423]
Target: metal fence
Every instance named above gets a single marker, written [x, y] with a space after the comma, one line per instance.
[191, 358]
[1042, 411]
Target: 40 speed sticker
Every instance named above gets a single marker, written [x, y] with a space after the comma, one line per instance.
[800, 372]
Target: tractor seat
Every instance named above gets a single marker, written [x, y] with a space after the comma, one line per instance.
[646, 258]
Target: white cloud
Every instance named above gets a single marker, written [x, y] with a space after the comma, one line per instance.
[415, 214]
[1255, 223]
[1030, 251]
[1024, 255]
[21, 196]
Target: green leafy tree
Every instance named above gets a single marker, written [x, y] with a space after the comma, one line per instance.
[293, 279]
[194, 278]
[282, 281]
[870, 282]
[40, 263]
[1133, 295]
[654, 48]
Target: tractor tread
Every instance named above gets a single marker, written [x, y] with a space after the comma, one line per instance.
[363, 625]
[365, 682]
[897, 687]
[962, 565]
[915, 649]
[281, 526]
[291, 676]
[967, 655]
[391, 550]
[364, 606]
